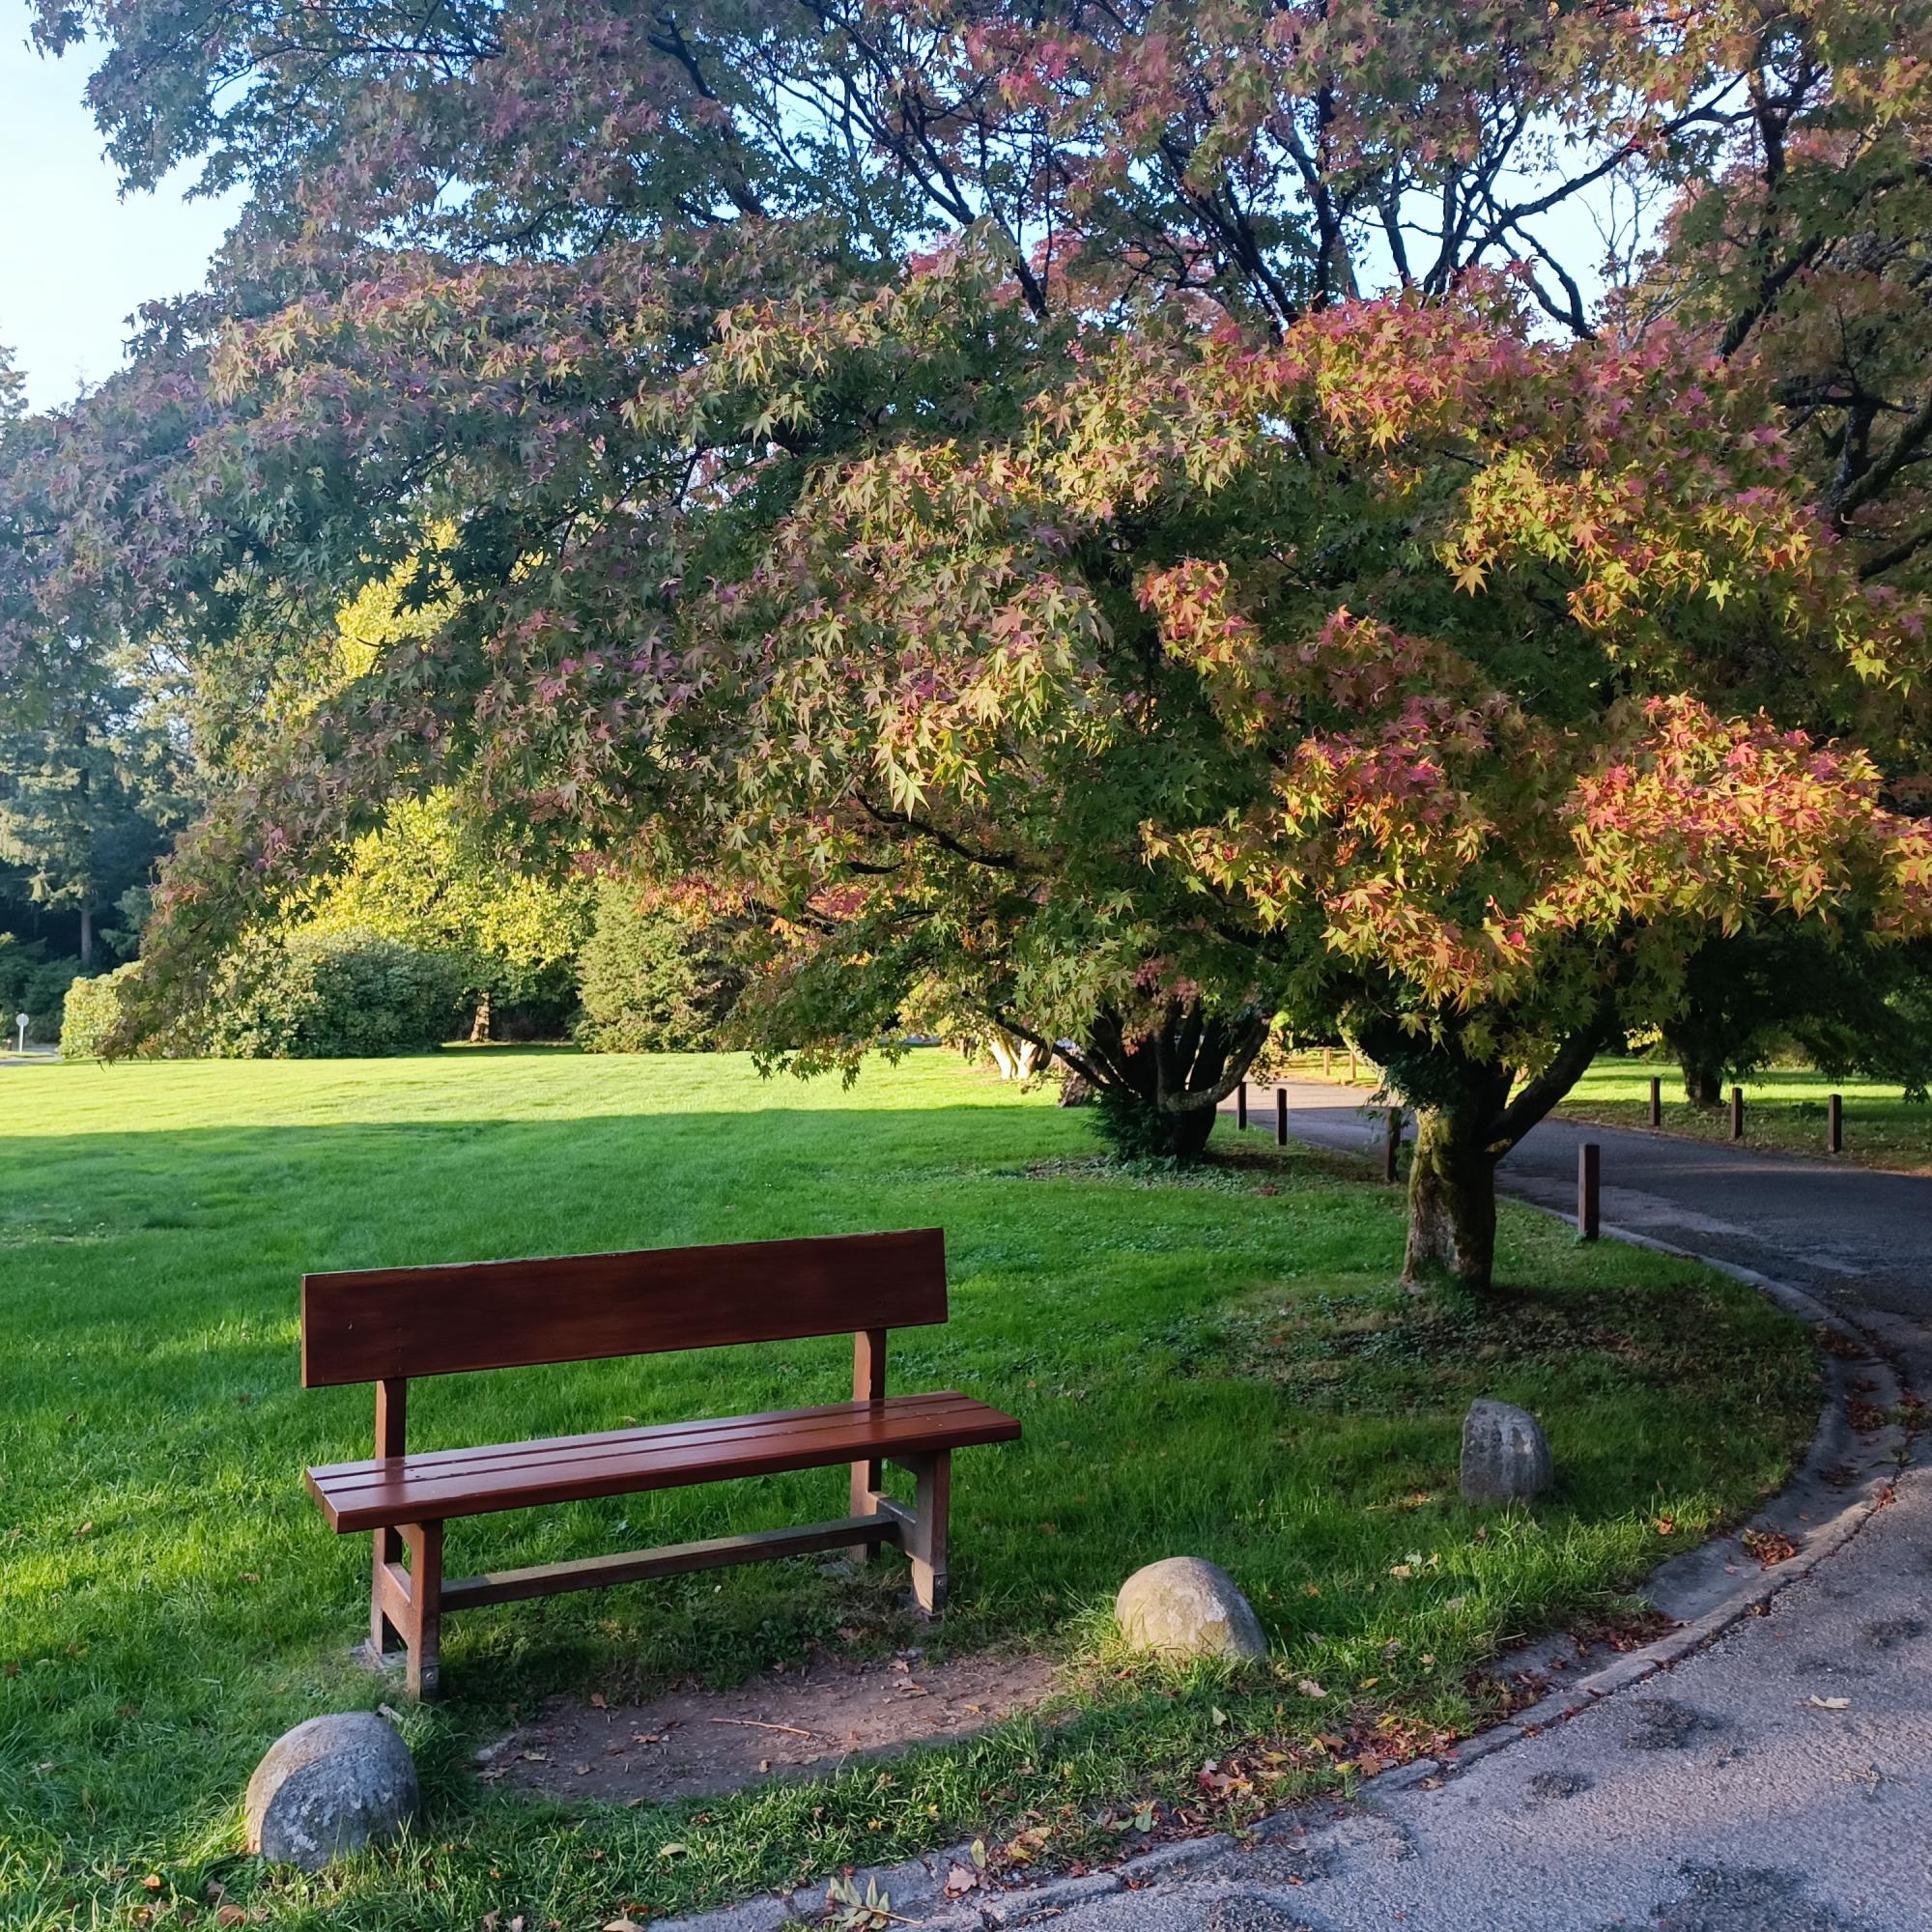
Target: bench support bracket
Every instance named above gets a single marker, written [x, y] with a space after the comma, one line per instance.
[405, 1606]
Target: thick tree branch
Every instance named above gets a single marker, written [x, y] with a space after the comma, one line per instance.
[1905, 448]
[1539, 1095]
[1005, 862]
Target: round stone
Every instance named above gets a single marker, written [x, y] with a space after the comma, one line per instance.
[329, 1787]
[1185, 1607]
[1505, 1455]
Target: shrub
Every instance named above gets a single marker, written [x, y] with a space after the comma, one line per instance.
[425, 878]
[653, 979]
[90, 1012]
[331, 995]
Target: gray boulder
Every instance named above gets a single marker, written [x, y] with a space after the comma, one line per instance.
[329, 1787]
[1187, 1608]
[1505, 1455]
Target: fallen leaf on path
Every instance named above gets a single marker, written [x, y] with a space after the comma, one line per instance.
[1832, 1703]
[1769, 1546]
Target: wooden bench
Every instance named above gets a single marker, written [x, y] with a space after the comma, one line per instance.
[386, 1326]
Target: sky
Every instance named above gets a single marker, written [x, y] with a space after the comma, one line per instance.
[75, 258]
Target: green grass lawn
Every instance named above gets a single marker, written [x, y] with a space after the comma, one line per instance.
[1784, 1110]
[1220, 1364]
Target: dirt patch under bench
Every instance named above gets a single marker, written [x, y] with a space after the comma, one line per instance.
[697, 1744]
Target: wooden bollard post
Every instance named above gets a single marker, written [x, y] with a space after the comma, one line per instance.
[1835, 1122]
[1392, 1146]
[1589, 1190]
[1655, 1102]
[1737, 1112]
[1241, 1105]
[1327, 1061]
[1281, 1117]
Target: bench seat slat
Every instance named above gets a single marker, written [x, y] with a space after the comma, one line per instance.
[715, 1431]
[442, 1484]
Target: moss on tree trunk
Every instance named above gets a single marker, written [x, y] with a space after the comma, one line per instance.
[1452, 1200]
[1469, 1111]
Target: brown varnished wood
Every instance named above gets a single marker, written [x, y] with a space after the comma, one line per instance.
[638, 1566]
[387, 1326]
[869, 1384]
[392, 1417]
[392, 1410]
[720, 1432]
[925, 1542]
[389, 1614]
[368, 1495]
[424, 1543]
[380, 1323]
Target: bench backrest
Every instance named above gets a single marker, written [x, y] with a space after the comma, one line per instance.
[380, 1323]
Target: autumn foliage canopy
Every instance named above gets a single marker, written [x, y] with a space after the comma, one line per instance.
[1124, 525]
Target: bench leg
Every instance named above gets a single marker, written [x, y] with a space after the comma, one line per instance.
[927, 1544]
[866, 1479]
[424, 1636]
[386, 1637]
[869, 1384]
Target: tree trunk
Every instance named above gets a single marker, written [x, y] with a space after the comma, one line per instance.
[86, 938]
[1452, 1199]
[1159, 1086]
[1703, 1081]
[1016, 1059]
[480, 1026]
[1466, 1119]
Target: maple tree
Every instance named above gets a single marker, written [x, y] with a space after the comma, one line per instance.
[1401, 670]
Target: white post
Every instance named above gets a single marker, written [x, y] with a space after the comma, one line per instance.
[20, 1021]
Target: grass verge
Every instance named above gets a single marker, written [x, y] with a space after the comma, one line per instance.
[1784, 1111]
[1219, 1363]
